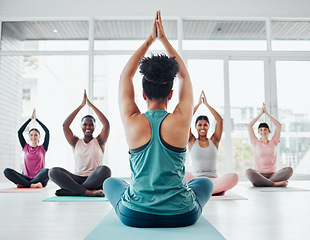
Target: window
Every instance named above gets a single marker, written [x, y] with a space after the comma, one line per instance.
[44, 35]
[247, 97]
[224, 35]
[208, 75]
[290, 35]
[294, 114]
[130, 34]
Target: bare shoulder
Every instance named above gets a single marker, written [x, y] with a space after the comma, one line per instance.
[175, 130]
[138, 130]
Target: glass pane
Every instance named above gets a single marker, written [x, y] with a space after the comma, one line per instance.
[208, 75]
[290, 35]
[294, 113]
[130, 34]
[224, 45]
[224, 35]
[107, 70]
[44, 35]
[247, 97]
[54, 86]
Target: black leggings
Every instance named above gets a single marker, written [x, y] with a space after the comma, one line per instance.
[72, 184]
[21, 179]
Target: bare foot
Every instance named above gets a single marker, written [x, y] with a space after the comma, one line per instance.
[94, 193]
[281, 184]
[36, 185]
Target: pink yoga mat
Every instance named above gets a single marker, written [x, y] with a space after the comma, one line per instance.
[21, 190]
[228, 196]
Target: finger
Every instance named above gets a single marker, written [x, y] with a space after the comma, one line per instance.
[159, 26]
[159, 17]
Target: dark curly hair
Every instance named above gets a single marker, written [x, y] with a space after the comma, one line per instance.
[158, 73]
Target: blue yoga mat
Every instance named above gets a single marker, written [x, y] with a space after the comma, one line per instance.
[75, 199]
[112, 228]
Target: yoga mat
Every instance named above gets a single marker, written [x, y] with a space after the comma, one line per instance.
[283, 189]
[21, 190]
[75, 199]
[228, 196]
[112, 228]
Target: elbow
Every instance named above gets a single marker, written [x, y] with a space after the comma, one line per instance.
[107, 125]
[64, 126]
[220, 121]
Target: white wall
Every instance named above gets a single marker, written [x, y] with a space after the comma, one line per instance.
[142, 8]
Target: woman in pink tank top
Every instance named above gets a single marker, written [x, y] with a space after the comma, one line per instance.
[265, 152]
[88, 154]
[34, 174]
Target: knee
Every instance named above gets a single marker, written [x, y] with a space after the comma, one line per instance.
[207, 183]
[7, 172]
[233, 178]
[289, 171]
[53, 172]
[107, 183]
[45, 170]
[250, 171]
[105, 170]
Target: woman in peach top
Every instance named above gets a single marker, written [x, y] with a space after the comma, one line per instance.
[265, 174]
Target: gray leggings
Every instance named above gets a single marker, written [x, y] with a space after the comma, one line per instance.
[72, 184]
[268, 179]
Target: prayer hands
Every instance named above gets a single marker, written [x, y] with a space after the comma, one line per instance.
[33, 116]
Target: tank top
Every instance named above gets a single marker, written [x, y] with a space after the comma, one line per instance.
[34, 160]
[204, 160]
[265, 155]
[158, 183]
[87, 156]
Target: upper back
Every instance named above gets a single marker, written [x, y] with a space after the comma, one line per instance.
[174, 130]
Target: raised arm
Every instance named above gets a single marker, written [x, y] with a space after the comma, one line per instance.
[71, 138]
[126, 93]
[216, 137]
[185, 105]
[47, 134]
[192, 138]
[103, 136]
[277, 133]
[21, 138]
[251, 124]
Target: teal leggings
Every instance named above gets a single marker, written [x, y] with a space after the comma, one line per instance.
[114, 189]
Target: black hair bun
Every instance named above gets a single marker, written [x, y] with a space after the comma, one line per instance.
[159, 69]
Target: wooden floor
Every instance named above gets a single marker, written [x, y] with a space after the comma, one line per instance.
[264, 216]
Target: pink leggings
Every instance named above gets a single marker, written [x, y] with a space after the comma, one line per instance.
[220, 184]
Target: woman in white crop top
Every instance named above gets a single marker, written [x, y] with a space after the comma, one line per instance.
[88, 154]
[204, 151]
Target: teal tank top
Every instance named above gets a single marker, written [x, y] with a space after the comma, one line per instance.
[158, 181]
